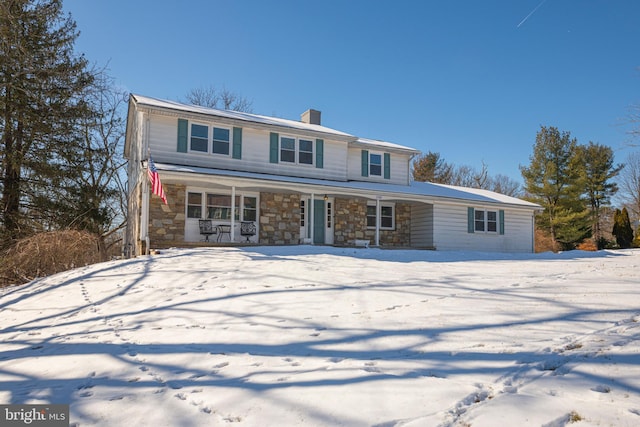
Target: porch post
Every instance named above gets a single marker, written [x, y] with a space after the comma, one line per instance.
[233, 213]
[378, 221]
[310, 209]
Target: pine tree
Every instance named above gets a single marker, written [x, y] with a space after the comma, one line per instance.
[554, 180]
[622, 228]
[598, 170]
[430, 167]
[41, 100]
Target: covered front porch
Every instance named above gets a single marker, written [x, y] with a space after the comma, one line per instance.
[284, 214]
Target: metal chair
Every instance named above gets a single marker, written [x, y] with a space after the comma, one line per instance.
[207, 229]
[247, 229]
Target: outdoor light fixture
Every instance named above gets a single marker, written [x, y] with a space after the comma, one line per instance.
[326, 198]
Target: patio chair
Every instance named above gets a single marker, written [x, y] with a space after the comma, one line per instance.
[247, 229]
[207, 229]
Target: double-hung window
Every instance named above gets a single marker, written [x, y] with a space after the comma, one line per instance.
[375, 164]
[218, 207]
[485, 221]
[294, 150]
[386, 214]
[287, 149]
[199, 138]
[220, 139]
[305, 151]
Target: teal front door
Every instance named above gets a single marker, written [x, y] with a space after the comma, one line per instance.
[318, 222]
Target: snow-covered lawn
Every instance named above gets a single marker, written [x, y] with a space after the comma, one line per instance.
[322, 336]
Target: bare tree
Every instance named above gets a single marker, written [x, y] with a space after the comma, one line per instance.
[219, 98]
[629, 184]
[504, 185]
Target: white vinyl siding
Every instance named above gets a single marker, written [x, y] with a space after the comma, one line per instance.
[399, 167]
[255, 152]
[422, 225]
[450, 230]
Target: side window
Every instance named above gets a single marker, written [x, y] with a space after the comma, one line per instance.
[492, 221]
[479, 220]
[199, 138]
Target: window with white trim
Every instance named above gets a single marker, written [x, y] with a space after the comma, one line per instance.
[375, 164]
[220, 141]
[386, 214]
[486, 221]
[199, 138]
[218, 206]
[299, 151]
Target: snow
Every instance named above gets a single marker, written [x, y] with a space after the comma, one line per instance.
[417, 190]
[323, 336]
[237, 115]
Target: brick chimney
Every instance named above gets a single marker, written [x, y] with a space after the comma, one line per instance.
[311, 117]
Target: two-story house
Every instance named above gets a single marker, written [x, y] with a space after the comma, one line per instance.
[297, 182]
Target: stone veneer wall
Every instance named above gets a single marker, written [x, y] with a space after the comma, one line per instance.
[401, 236]
[351, 224]
[350, 220]
[166, 222]
[279, 219]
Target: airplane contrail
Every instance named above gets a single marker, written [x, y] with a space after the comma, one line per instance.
[531, 13]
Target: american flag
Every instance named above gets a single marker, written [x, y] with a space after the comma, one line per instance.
[154, 178]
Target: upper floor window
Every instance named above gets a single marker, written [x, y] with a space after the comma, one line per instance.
[220, 141]
[199, 138]
[287, 149]
[305, 152]
[294, 150]
[375, 164]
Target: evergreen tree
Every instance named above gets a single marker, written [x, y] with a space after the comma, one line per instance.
[430, 167]
[42, 83]
[554, 180]
[622, 228]
[598, 170]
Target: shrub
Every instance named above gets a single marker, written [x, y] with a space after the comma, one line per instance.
[47, 253]
[587, 245]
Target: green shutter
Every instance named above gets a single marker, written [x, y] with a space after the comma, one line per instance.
[273, 147]
[183, 135]
[365, 163]
[501, 219]
[471, 220]
[237, 143]
[387, 166]
[319, 153]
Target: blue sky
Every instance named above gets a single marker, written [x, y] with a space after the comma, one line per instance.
[472, 80]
